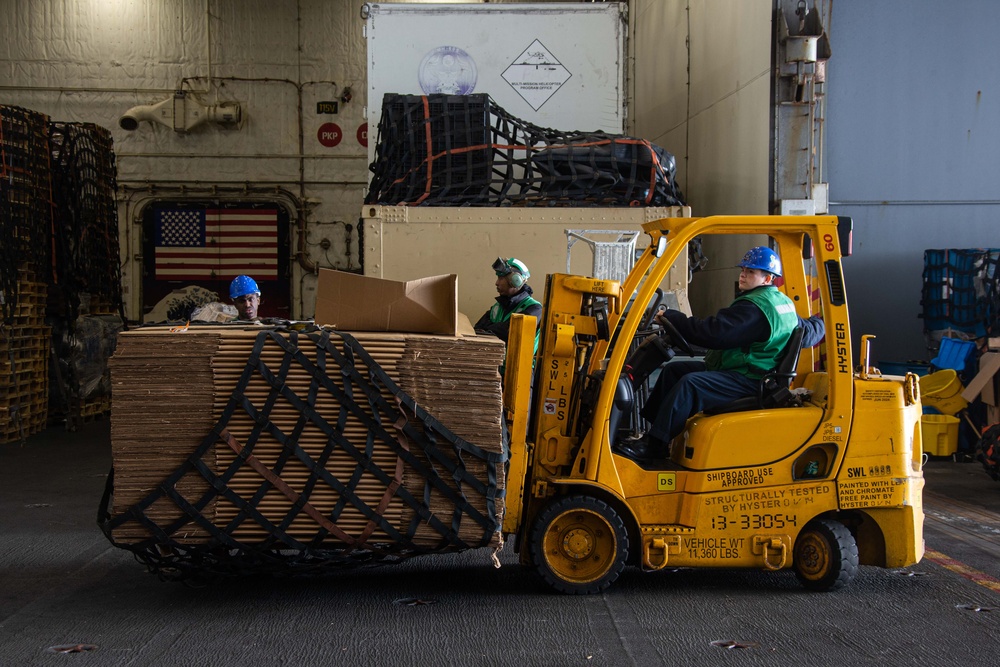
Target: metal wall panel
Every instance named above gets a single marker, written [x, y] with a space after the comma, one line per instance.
[912, 144]
[702, 91]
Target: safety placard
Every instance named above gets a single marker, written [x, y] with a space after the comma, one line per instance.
[536, 75]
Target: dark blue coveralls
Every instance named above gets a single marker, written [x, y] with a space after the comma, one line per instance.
[685, 388]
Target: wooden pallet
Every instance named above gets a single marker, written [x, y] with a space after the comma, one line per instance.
[24, 381]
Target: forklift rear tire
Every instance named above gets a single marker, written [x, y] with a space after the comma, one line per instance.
[826, 555]
[579, 545]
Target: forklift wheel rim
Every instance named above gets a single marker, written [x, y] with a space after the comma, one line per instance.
[826, 555]
[814, 557]
[580, 545]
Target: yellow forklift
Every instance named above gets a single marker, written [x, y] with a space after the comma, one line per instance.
[820, 472]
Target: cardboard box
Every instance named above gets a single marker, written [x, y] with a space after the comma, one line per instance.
[992, 415]
[984, 385]
[351, 302]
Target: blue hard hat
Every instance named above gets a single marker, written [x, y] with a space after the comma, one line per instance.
[763, 259]
[241, 286]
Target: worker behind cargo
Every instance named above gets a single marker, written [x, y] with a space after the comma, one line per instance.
[246, 297]
[744, 340]
[514, 296]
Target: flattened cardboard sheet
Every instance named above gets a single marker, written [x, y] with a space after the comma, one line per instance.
[985, 382]
[350, 302]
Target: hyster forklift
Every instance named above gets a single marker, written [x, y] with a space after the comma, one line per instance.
[819, 472]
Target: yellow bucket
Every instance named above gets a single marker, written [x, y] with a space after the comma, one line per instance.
[943, 392]
[940, 434]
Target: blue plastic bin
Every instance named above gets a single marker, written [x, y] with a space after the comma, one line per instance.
[954, 354]
[904, 367]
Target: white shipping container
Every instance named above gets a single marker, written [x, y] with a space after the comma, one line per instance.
[555, 65]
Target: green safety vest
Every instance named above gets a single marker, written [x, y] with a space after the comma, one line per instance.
[498, 314]
[759, 357]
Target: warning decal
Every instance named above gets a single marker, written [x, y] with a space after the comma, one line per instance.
[871, 493]
[536, 75]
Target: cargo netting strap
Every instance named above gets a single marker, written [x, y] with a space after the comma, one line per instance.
[436, 150]
[86, 239]
[25, 203]
[961, 291]
[343, 370]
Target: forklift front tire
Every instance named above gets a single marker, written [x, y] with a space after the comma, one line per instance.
[579, 545]
[826, 555]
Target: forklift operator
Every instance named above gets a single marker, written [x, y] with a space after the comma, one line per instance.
[514, 296]
[743, 340]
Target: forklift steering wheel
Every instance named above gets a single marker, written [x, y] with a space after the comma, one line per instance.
[676, 339]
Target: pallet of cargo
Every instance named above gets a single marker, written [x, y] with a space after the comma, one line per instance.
[239, 450]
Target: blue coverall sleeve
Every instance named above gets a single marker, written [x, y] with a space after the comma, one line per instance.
[735, 326]
[813, 330]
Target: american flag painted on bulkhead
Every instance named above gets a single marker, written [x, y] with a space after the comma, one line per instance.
[216, 244]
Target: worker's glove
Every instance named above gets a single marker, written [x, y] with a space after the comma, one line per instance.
[661, 316]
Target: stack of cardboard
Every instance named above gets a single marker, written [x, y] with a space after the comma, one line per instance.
[282, 477]
[163, 390]
[986, 384]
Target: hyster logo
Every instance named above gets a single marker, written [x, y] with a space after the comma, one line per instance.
[841, 337]
[856, 472]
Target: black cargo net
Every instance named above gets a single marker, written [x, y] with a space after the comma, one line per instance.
[344, 371]
[25, 204]
[438, 150]
[86, 245]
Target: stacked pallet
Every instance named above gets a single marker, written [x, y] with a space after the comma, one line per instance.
[312, 444]
[25, 228]
[24, 363]
[86, 252]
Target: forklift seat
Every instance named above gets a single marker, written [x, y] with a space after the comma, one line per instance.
[773, 390]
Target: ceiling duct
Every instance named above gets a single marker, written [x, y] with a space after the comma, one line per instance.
[181, 113]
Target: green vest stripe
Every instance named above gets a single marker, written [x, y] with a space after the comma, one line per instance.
[497, 314]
